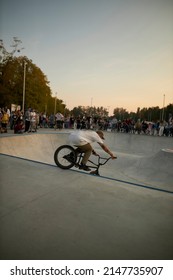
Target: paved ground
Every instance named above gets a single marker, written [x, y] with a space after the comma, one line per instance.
[49, 213]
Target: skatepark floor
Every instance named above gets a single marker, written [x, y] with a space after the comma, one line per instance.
[47, 213]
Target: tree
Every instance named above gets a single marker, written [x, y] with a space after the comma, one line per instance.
[4, 54]
[120, 113]
[149, 114]
[77, 111]
[37, 91]
[86, 111]
[168, 111]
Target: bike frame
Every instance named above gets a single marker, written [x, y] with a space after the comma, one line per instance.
[94, 165]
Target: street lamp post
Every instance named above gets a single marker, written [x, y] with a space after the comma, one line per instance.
[24, 79]
[55, 103]
[163, 107]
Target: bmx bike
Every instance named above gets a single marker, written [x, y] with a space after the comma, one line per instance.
[66, 157]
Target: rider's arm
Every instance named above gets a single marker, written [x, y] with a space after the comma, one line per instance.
[106, 149]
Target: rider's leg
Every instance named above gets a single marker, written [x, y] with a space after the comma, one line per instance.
[87, 150]
[78, 150]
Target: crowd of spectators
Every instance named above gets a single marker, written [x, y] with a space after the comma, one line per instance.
[159, 128]
[32, 120]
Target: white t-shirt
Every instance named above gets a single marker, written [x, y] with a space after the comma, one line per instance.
[33, 116]
[59, 117]
[83, 137]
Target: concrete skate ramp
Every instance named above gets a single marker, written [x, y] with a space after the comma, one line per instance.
[142, 160]
[36, 147]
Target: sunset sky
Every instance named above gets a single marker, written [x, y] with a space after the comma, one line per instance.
[110, 53]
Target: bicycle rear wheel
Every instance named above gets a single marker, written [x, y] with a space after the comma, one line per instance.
[65, 157]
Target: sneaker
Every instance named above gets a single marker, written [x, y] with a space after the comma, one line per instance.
[84, 167]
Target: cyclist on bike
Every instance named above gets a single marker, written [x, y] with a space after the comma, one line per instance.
[82, 139]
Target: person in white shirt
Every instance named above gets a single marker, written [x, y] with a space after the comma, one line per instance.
[82, 139]
[33, 121]
[59, 120]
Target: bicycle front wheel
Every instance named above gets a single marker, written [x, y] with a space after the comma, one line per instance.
[65, 157]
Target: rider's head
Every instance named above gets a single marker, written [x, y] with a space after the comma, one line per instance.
[100, 133]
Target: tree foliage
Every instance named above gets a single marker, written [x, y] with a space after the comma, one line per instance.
[148, 114]
[85, 111]
[37, 90]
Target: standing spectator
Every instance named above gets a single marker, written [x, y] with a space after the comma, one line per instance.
[78, 123]
[51, 121]
[33, 121]
[59, 120]
[71, 121]
[27, 119]
[67, 122]
[8, 112]
[44, 121]
[138, 127]
[13, 119]
[161, 128]
[144, 126]
[4, 121]
[83, 123]
[150, 128]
